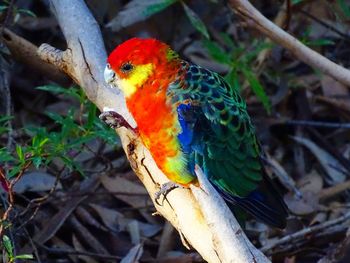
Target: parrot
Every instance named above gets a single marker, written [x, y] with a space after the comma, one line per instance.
[189, 116]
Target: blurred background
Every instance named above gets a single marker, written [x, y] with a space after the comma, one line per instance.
[75, 196]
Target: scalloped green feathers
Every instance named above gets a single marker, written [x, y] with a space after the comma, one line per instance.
[218, 135]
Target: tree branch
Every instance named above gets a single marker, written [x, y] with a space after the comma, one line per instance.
[84, 60]
[26, 52]
[256, 20]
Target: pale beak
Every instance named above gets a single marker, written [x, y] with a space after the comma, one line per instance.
[109, 74]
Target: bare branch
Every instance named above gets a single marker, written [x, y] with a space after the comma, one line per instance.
[256, 20]
[26, 52]
[306, 231]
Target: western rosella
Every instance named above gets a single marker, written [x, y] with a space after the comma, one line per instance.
[188, 115]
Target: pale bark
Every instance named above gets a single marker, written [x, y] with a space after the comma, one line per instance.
[202, 219]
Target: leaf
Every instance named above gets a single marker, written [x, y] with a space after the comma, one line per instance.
[24, 256]
[216, 52]
[72, 91]
[157, 7]
[232, 79]
[7, 245]
[37, 161]
[56, 117]
[258, 89]
[20, 154]
[3, 7]
[15, 170]
[27, 12]
[36, 182]
[91, 115]
[6, 118]
[321, 42]
[344, 7]
[295, 2]
[136, 11]
[133, 255]
[195, 20]
[5, 156]
[138, 195]
[332, 166]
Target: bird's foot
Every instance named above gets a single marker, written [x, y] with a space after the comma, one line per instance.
[115, 120]
[164, 190]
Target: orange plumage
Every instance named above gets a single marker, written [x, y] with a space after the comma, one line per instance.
[156, 118]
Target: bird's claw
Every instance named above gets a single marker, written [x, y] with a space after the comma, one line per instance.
[164, 190]
[115, 120]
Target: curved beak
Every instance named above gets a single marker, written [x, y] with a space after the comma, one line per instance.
[109, 74]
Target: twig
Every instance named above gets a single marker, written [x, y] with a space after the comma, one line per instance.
[306, 231]
[56, 221]
[281, 19]
[319, 124]
[255, 19]
[326, 25]
[334, 190]
[25, 52]
[11, 197]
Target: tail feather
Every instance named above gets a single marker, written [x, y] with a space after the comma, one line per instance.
[265, 203]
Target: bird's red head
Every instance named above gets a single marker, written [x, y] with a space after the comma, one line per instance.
[134, 61]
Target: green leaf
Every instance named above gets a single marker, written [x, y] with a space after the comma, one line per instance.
[216, 52]
[20, 153]
[43, 142]
[15, 170]
[157, 7]
[24, 256]
[227, 40]
[72, 91]
[321, 42]
[3, 7]
[258, 89]
[8, 245]
[27, 12]
[295, 2]
[344, 7]
[37, 161]
[195, 20]
[56, 117]
[91, 115]
[135, 11]
[5, 156]
[6, 118]
[232, 79]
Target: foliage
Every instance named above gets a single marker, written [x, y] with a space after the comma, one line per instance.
[9, 249]
[136, 11]
[240, 62]
[16, 12]
[66, 140]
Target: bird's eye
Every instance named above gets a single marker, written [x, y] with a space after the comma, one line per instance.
[127, 67]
